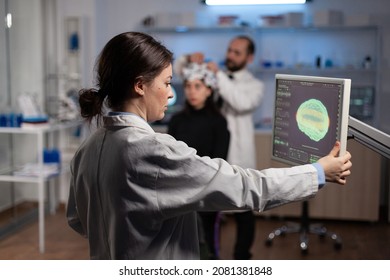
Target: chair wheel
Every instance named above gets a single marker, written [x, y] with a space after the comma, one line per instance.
[304, 247]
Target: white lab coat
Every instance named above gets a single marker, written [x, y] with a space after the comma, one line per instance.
[134, 192]
[241, 97]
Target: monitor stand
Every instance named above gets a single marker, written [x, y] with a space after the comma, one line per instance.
[377, 141]
[369, 136]
[304, 228]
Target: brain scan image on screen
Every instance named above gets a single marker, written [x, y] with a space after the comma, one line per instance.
[313, 119]
[310, 115]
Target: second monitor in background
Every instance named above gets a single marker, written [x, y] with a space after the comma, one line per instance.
[310, 114]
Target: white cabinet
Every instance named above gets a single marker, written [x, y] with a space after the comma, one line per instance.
[45, 137]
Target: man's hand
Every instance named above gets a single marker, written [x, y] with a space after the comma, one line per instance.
[196, 57]
[212, 66]
[336, 168]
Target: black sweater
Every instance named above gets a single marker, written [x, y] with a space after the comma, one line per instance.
[202, 130]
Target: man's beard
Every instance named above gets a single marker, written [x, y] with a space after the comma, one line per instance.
[232, 67]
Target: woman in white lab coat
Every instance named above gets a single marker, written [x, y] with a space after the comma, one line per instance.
[134, 193]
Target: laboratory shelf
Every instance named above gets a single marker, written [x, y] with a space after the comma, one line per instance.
[45, 137]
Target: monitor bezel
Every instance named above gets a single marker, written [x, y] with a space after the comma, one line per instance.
[344, 110]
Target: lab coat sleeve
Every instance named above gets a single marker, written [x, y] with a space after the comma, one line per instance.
[71, 211]
[243, 97]
[188, 182]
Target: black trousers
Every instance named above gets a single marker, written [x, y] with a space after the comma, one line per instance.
[245, 224]
[210, 224]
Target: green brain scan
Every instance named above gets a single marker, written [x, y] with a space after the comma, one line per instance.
[313, 119]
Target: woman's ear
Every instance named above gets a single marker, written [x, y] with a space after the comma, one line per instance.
[139, 86]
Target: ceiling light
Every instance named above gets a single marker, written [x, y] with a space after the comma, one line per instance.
[8, 20]
[252, 2]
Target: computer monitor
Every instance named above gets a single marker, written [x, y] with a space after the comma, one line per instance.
[310, 114]
[362, 103]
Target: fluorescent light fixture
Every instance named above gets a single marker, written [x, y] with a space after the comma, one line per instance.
[251, 2]
[8, 20]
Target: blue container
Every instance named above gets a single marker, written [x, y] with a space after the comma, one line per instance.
[11, 120]
[51, 156]
[3, 120]
[18, 120]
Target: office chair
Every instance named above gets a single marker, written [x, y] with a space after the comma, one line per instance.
[305, 228]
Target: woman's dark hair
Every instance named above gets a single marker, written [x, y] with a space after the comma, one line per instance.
[251, 45]
[124, 60]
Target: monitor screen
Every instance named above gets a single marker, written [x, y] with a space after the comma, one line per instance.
[175, 104]
[362, 103]
[310, 114]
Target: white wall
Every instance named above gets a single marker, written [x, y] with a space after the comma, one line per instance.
[26, 49]
[3, 62]
[86, 13]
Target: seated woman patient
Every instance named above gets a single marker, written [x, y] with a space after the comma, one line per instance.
[134, 193]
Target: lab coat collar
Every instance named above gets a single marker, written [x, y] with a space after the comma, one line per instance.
[127, 120]
[239, 74]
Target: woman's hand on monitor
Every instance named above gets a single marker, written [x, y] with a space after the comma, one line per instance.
[336, 168]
